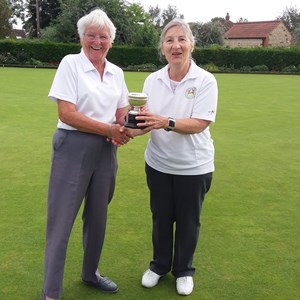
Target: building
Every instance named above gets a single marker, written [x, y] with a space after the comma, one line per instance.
[19, 33]
[258, 34]
[227, 23]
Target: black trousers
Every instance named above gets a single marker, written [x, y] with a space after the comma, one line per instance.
[175, 199]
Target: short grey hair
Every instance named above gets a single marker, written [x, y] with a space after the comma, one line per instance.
[177, 22]
[97, 18]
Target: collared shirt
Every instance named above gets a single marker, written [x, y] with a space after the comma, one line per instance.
[194, 97]
[77, 81]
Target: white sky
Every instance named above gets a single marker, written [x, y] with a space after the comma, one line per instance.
[204, 11]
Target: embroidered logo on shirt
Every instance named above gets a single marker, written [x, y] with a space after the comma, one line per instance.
[190, 93]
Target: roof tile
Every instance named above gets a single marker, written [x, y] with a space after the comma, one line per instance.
[251, 29]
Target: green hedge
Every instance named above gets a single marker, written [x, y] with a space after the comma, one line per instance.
[125, 56]
[48, 53]
[22, 51]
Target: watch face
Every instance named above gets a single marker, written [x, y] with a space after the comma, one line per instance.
[171, 123]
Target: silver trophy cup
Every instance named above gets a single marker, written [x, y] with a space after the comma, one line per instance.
[136, 100]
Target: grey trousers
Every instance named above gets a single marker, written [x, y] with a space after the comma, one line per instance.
[83, 167]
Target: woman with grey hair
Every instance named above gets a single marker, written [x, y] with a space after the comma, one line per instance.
[91, 96]
[182, 103]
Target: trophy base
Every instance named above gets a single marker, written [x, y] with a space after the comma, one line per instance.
[132, 126]
[131, 122]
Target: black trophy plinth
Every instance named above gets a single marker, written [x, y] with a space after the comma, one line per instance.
[131, 122]
[136, 100]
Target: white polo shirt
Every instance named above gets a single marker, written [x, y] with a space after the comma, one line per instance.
[194, 97]
[77, 81]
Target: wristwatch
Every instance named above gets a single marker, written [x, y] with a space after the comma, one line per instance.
[171, 124]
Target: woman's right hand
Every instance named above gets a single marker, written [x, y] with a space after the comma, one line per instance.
[119, 136]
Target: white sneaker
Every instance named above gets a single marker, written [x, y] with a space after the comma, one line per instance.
[150, 279]
[184, 285]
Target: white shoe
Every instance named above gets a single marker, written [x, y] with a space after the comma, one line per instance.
[150, 279]
[184, 285]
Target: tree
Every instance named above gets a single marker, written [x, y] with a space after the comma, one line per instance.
[290, 18]
[133, 25]
[155, 15]
[169, 14]
[18, 8]
[5, 15]
[242, 20]
[207, 34]
[48, 12]
[64, 28]
[296, 35]
[218, 19]
[143, 30]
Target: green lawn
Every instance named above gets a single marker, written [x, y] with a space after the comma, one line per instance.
[249, 246]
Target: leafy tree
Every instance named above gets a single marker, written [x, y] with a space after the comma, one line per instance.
[296, 35]
[48, 12]
[218, 19]
[133, 24]
[207, 34]
[155, 15]
[64, 27]
[169, 14]
[143, 30]
[5, 15]
[242, 20]
[290, 18]
[160, 18]
[18, 8]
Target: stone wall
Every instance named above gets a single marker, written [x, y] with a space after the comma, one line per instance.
[243, 42]
[280, 37]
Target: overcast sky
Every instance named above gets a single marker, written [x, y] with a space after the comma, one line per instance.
[204, 11]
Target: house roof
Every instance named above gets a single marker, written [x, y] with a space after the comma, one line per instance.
[251, 29]
[19, 32]
[226, 22]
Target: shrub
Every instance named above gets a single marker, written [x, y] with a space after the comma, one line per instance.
[260, 68]
[7, 58]
[246, 69]
[210, 67]
[290, 69]
[143, 67]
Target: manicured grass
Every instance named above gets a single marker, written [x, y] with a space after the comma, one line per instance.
[249, 244]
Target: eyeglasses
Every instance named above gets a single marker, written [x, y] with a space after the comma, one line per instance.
[92, 37]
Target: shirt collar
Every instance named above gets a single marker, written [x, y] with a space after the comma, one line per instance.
[88, 66]
[191, 74]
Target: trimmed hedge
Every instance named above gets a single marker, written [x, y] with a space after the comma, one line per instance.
[275, 59]
[125, 56]
[49, 53]
[23, 51]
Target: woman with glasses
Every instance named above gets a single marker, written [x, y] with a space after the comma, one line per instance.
[91, 97]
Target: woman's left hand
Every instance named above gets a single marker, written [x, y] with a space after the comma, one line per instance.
[152, 121]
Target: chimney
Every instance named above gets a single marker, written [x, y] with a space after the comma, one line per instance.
[227, 17]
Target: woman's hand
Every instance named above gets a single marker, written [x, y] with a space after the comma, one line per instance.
[119, 136]
[152, 121]
[131, 133]
[183, 126]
